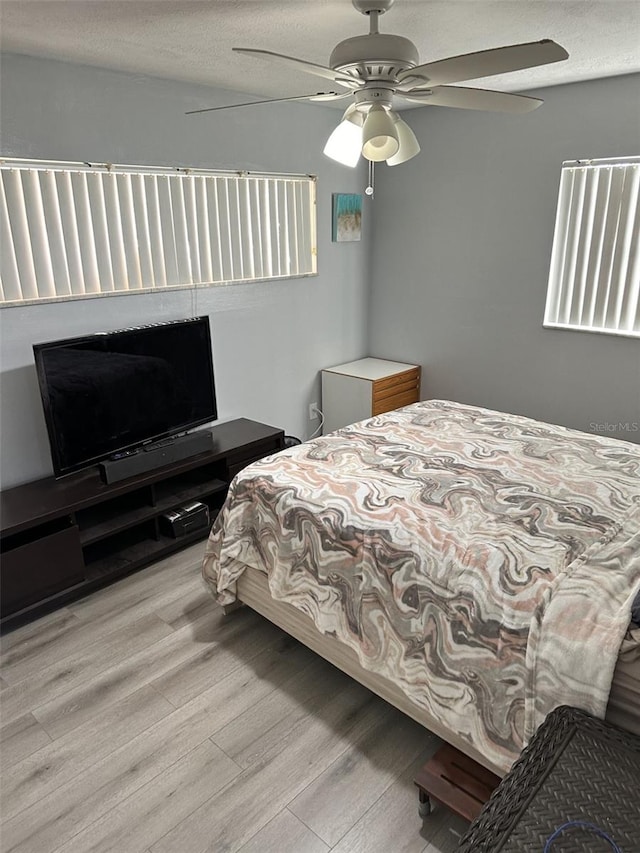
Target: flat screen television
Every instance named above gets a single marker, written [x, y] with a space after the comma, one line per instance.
[107, 392]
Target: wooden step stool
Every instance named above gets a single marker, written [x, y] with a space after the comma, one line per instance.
[455, 781]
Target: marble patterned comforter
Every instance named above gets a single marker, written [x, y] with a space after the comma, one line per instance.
[484, 562]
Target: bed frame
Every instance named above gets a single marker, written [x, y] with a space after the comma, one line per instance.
[253, 590]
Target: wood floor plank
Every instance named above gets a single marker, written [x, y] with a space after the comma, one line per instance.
[231, 818]
[258, 731]
[285, 834]
[444, 831]
[349, 787]
[158, 806]
[149, 588]
[92, 618]
[247, 684]
[61, 812]
[392, 822]
[240, 637]
[187, 607]
[21, 738]
[75, 707]
[58, 818]
[52, 765]
[76, 670]
[32, 639]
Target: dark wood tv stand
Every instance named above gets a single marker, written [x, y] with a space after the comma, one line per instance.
[60, 539]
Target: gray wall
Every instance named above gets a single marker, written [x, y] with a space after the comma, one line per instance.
[269, 339]
[458, 258]
[461, 247]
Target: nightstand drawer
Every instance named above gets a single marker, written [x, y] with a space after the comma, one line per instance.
[393, 382]
[403, 386]
[397, 401]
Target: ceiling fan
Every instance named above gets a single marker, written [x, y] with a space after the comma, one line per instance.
[374, 69]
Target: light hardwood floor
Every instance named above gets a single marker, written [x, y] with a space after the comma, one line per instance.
[142, 720]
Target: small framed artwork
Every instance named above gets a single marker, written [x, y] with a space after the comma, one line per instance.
[347, 217]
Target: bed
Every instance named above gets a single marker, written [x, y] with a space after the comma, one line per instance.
[475, 569]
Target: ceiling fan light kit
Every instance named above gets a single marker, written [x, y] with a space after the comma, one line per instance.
[377, 68]
[379, 135]
[345, 143]
[409, 145]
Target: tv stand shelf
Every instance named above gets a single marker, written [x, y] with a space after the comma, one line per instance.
[99, 522]
[60, 539]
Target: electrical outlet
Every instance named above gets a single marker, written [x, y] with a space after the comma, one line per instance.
[313, 411]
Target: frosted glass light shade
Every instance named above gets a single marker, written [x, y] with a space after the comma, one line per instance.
[379, 135]
[345, 143]
[409, 146]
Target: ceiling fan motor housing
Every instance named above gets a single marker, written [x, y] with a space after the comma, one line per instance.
[377, 56]
[370, 95]
[369, 6]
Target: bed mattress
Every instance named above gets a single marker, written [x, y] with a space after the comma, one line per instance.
[484, 562]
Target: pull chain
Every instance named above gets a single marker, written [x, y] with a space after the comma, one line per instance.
[371, 186]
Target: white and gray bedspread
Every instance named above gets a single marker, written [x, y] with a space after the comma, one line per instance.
[483, 562]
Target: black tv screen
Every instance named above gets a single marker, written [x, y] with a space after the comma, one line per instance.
[109, 391]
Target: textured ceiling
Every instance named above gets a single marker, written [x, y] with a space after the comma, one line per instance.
[191, 40]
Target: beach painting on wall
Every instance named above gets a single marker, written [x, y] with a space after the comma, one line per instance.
[347, 217]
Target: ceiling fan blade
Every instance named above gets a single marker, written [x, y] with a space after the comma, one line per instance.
[301, 65]
[484, 63]
[472, 99]
[318, 96]
[330, 96]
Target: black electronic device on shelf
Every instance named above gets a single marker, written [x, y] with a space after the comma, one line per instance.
[111, 392]
[186, 520]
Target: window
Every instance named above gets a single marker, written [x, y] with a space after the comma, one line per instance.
[594, 280]
[72, 230]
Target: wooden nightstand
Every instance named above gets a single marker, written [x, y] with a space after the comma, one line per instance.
[370, 386]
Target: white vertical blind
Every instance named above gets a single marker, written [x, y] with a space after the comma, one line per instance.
[86, 239]
[594, 277]
[70, 239]
[40, 247]
[73, 230]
